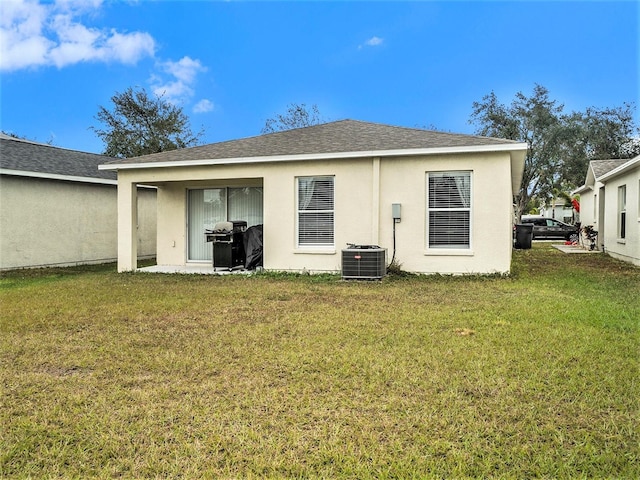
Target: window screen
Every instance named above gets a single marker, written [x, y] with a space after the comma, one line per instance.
[315, 211]
[449, 209]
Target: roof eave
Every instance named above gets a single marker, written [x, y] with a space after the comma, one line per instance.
[56, 176]
[508, 147]
[517, 168]
[582, 189]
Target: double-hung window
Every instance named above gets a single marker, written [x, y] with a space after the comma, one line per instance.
[315, 212]
[449, 210]
[622, 212]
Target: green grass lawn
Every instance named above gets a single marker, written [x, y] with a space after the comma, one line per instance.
[144, 375]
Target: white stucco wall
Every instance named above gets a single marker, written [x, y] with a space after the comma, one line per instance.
[588, 209]
[51, 222]
[404, 181]
[365, 189]
[627, 249]
[589, 212]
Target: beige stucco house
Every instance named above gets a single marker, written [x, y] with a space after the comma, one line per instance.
[319, 188]
[57, 208]
[610, 202]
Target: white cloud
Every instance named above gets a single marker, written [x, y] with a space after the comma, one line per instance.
[184, 69]
[178, 88]
[203, 106]
[34, 34]
[130, 47]
[372, 42]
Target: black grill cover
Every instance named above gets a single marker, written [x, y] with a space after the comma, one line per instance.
[253, 247]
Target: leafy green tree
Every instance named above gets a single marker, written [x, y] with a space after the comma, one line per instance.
[560, 145]
[296, 116]
[536, 120]
[597, 134]
[140, 124]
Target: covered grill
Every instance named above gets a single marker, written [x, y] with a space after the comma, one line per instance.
[228, 244]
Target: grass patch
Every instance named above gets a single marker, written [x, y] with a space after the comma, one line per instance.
[143, 375]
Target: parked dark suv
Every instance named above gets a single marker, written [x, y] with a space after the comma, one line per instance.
[550, 228]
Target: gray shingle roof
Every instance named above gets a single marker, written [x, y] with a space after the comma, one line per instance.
[600, 167]
[335, 137]
[25, 156]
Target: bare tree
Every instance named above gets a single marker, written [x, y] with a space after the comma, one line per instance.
[296, 116]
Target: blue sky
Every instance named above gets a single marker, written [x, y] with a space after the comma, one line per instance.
[232, 65]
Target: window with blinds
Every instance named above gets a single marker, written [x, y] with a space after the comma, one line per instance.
[449, 210]
[315, 211]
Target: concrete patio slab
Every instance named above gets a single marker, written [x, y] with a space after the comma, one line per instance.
[573, 248]
[193, 269]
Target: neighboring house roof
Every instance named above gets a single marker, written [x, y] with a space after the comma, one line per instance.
[30, 159]
[580, 190]
[596, 169]
[600, 167]
[558, 202]
[341, 139]
[625, 167]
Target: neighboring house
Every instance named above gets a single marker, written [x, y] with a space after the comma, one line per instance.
[558, 209]
[318, 188]
[57, 208]
[610, 202]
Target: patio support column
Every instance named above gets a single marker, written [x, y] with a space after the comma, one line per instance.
[375, 203]
[127, 226]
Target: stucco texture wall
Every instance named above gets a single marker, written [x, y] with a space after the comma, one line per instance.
[627, 249]
[50, 222]
[365, 189]
[404, 181]
[588, 208]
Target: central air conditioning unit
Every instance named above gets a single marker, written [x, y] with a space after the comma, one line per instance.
[364, 262]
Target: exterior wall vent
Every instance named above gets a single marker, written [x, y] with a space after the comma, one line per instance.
[364, 262]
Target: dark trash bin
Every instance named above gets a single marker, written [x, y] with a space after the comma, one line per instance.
[228, 244]
[524, 236]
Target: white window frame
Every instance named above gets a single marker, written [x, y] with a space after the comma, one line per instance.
[309, 210]
[622, 212]
[463, 249]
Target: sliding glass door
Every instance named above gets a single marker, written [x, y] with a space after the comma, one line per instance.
[245, 204]
[206, 207]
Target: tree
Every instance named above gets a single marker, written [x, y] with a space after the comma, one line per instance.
[24, 137]
[297, 116]
[535, 120]
[140, 124]
[560, 145]
[597, 134]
